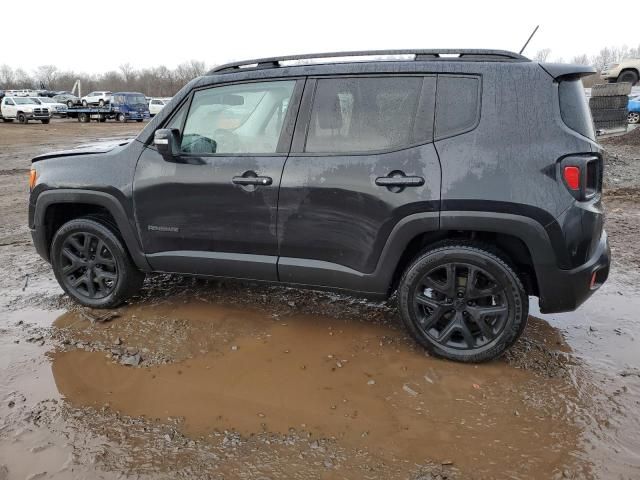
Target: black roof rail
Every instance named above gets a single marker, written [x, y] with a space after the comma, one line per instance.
[450, 54]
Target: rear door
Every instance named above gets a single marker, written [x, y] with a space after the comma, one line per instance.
[362, 160]
[212, 209]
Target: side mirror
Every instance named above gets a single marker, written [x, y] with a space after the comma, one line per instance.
[167, 141]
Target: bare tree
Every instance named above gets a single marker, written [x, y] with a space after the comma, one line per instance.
[128, 72]
[581, 59]
[542, 55]
[6, 76]
[46, 75]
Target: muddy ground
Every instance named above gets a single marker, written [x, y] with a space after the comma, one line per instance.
[208, 379]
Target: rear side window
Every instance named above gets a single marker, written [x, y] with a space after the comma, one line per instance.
[574, 108]
[457, 105]
[366, 114]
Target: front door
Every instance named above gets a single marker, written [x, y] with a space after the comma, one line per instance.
[362, 161]
[212, 209]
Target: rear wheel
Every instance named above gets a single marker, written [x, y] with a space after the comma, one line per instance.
[633, 117]
[92, 265]
[7, 120]
[628, 76]
[122, 118]
[70, 104]
[463, 303]
[101, 103]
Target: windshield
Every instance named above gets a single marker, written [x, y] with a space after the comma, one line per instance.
[26, 101]
[136, 100]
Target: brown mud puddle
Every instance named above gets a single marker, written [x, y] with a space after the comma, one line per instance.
[365, 386]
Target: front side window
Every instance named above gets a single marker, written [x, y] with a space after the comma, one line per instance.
[237, 119]
[363, 114]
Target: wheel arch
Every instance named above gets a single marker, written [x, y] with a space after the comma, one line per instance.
[523, 240]
[629, 69]
[55, 207]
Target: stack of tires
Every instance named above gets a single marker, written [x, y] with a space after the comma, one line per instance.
[608, 104]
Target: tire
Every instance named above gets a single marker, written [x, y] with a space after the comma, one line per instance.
[46, 122]
[102, 119]
[85, 104]
[610, 89]
[610, 115]
[70, 104]
[22, 118]
[633, 118]
[7, 120]
[619, 101]
[122, 118]
[92, 264]
[84, 118]
[101, 103]
[474, 325]
[628, 76]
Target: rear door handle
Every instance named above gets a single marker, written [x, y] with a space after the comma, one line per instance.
[258, 181]
[399, 179]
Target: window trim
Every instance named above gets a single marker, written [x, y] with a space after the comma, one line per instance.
[286, 134]
[306, 106]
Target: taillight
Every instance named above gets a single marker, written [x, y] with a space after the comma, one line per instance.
[582, 175]
[572, 177]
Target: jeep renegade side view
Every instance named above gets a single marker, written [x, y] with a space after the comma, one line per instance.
[464, 180]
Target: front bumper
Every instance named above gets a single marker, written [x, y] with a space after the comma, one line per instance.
[137, 115]
[566, 290]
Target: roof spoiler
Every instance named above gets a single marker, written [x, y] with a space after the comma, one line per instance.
[558, 70]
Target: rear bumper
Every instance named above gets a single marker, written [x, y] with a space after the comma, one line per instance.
[566, 290]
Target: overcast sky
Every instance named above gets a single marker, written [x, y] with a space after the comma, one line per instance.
[95, 36]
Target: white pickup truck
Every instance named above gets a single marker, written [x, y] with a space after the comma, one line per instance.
[23, 109]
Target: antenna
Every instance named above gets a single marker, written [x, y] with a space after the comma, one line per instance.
[529, 39]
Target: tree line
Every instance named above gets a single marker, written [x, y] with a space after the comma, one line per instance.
[165, 82]
[156, 82]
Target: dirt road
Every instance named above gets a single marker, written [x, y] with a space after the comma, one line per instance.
[205, 379]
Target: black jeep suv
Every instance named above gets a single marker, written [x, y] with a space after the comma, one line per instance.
[464, 180]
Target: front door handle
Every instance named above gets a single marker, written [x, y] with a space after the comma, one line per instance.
[252, 180]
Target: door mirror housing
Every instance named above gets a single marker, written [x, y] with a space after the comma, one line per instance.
[167, 141]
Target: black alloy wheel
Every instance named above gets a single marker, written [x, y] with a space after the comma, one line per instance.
[463, 302]
[92, 264]
[88, 266]
[460, 305]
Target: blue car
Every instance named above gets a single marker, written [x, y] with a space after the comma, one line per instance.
[634, 110]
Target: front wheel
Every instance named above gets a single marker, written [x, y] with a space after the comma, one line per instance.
[92, 264]
[22, 118]
[101, 103]
[633, 117]
[463, 303]
[70, 104]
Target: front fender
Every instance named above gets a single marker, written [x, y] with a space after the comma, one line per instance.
[90, 197]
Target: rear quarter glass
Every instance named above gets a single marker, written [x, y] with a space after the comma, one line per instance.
[574, 108]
